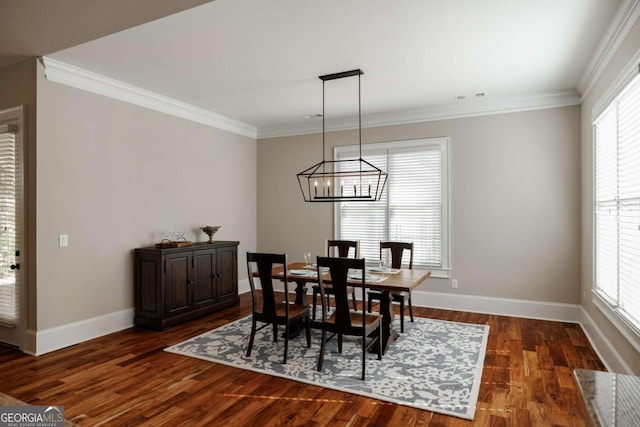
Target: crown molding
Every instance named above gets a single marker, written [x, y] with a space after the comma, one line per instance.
[619, 28]
[79, 78]
[463, 109]
[628, 73]
[60, 72]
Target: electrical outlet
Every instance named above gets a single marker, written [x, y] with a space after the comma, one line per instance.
[63, 240]
[454, 283]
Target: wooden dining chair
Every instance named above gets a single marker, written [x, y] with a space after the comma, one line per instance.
[396, 249]
[341, 249]
[344, 321]
[268, 310]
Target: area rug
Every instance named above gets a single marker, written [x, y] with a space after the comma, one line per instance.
[435, 365]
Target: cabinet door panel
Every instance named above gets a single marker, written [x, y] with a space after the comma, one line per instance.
[147, 295]
[177, 278]
[205, 271]
[228, 270]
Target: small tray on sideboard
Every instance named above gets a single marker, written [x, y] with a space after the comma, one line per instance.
[168, 244]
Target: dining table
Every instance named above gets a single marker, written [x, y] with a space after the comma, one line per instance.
[384, 280]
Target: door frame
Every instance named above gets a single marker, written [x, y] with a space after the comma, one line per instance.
[16, 336]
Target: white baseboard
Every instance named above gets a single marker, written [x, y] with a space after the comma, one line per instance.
[499, 306]
[243, 286]
[48, 340]
[29, 342]
[66, 335]
[572, 313]
[602, 346]
[41, 342]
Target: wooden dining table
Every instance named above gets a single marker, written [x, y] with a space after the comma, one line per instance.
[403, 281]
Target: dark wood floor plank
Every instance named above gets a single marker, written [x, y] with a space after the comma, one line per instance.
[127, 378]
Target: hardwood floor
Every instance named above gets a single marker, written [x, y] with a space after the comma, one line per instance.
[126, 379]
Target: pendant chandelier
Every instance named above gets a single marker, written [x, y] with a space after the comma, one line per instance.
[352, 180]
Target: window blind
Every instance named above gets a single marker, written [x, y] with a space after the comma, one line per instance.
[9, 297]
[413, 206]
[617, 203]
[415, 202]
[359, 219]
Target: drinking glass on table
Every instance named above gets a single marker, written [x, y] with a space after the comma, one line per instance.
[307, 258]
[385, 262]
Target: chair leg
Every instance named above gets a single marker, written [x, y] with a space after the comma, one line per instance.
[364, 353]
[410, 308]
[253, 334]
[321, 355]
[353, 297]
[380, 341]
[308, 331]
[402, 315]
[286, 342]
[313, 313]
[275, 333]
[339, 343]
[369, 304]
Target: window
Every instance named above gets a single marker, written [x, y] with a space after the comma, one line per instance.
[414, 206]
[617, 204]
[11, 226]
[8, 296]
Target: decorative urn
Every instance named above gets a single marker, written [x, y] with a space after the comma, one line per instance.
[210, 230]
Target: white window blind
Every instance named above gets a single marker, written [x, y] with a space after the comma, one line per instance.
[9, 297]
[414, 205]
[359, 219]
[617, 204]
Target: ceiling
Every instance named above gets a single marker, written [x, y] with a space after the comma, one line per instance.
[31, 28]
[258, 62]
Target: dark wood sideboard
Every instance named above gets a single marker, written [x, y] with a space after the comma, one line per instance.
[173, 285]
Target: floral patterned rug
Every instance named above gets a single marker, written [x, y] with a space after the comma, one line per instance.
[435, 365]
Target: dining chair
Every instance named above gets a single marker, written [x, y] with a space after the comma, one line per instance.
[344, 321]
[266, 308]
[341, 249]
[396, 249]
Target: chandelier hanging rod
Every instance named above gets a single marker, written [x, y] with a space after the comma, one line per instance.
[341, 75]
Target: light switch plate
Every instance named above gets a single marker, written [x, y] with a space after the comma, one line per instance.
[63, 240]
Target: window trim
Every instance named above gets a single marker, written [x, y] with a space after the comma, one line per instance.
[629, 331]
[628, 73]
[444, 143]
[607, 307]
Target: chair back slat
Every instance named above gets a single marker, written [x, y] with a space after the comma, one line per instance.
[343, 247]
[397, 250]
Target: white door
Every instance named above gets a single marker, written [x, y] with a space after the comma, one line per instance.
[11, 316]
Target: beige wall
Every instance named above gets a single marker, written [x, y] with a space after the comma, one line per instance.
[113, 176]
[18, 88]
[515, 191]
[622, 345]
